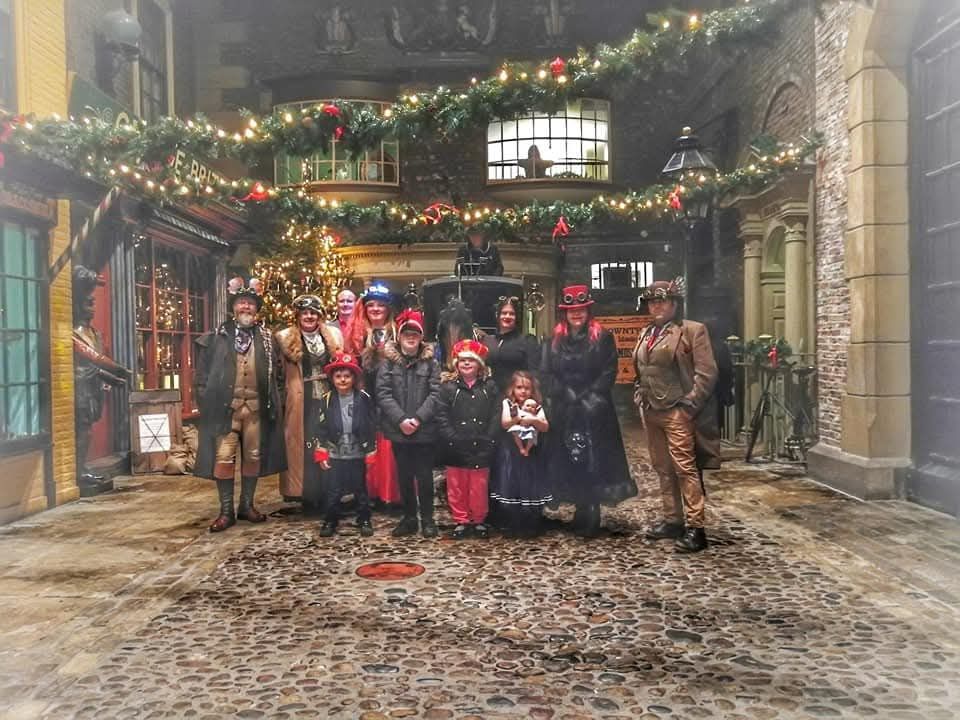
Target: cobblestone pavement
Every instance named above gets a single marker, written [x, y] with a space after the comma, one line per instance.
[776, 620]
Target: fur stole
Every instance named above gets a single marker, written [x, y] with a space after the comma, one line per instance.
[290, 342]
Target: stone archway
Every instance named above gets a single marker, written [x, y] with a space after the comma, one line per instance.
[875, 436]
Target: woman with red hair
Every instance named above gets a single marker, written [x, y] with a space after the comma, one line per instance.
[369, 329]
[586, 459]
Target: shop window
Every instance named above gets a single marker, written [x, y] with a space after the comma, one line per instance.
[573, 144]
[8, 99]
[377, 166]
[620, 275]
[173, 310]
[23, 376]
[153, 61]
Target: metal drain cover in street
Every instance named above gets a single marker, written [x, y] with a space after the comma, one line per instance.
[390, 570]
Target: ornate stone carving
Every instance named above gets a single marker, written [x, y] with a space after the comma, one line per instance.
[442, 25]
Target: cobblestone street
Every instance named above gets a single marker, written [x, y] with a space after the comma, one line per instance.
[807, 604]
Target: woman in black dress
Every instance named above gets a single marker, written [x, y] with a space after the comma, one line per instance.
[586, 460]
[510, 348]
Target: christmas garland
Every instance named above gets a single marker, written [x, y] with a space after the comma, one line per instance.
[403, 223]
[101, 149]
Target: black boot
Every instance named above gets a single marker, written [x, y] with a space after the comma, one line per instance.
[693, 540]
[246, 510]
[586, 522]
[665, 531]
[406, 526]
[328, 529]
[428, 528]
[226, 518]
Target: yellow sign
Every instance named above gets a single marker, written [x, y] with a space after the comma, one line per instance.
[626, 330]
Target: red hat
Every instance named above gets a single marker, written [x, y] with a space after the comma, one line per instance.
[343, 360]
[575, 296]
[410, 319]
[471, 349]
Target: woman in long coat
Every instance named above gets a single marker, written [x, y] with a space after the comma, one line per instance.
[371, 328]
[586, 459]
[305, 347]
[510, 348]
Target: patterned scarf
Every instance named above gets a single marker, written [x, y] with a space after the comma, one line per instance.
[243, 340]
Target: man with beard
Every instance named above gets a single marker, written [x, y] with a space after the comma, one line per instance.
[239, 390]
[305, 348]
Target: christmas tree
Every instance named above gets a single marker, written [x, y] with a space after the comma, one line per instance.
[302, 261]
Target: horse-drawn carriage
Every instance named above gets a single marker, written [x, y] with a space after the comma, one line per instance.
[458, 307]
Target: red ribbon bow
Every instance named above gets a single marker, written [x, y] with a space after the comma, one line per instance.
[773, 355]
[433, 214]
[561, 228]
[331, 110]
[338, 132]
[258, 194]
[674, 198]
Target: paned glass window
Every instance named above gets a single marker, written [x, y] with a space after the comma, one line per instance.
[8, 94]
[173, 310]
[377, 166]
[153, 61]
[570, 145]
[613, 275]
[22, 360]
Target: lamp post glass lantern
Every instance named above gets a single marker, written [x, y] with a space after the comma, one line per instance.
[689, 158]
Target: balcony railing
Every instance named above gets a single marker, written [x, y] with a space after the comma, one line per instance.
[379, 166]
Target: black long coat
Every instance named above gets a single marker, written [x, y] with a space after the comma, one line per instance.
[215, 376]
[578, 381]
[468, 420]
[510, 352]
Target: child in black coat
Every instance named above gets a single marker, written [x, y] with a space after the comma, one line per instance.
[468, 420]
[345, 441]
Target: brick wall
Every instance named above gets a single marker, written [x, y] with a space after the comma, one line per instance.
[832, 295]
[41, 76]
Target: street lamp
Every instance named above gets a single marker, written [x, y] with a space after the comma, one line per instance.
[689, 159]
[117, 41]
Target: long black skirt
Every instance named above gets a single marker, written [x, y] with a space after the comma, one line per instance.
[518, 488]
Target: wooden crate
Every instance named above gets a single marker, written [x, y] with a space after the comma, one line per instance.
[149, 432]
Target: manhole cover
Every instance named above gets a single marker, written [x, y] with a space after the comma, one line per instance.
[390, 570]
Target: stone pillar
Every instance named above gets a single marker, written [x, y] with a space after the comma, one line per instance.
[751, 232]
[795, 286]
[875, 443]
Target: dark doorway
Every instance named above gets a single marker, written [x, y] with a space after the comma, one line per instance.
[935, 259]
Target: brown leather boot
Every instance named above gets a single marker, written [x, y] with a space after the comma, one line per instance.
[226, 518]
[246, 510]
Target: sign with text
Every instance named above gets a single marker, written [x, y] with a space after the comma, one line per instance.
[626, 330]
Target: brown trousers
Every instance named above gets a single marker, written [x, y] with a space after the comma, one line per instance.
[670, 438]
[245, 434]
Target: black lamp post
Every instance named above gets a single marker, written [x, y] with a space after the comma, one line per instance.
[689, 160]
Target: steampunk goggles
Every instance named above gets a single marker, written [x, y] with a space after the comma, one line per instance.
[580, 297]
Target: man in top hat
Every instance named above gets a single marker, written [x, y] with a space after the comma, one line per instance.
[676, 374]
[305, 349]
[478, 256]
[239, 390]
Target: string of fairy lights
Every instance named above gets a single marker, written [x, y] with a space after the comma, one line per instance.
[143, 158]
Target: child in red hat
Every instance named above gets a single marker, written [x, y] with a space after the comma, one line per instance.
[469, 417]
[344, 441]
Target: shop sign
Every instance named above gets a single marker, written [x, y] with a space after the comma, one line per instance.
[195, 169]
[626, 331]
[27, 202]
